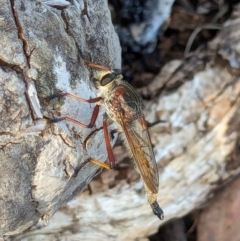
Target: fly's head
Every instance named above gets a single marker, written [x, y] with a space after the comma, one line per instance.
[110, 78]
[107, 81]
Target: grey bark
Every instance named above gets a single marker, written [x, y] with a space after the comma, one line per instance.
[42, 51]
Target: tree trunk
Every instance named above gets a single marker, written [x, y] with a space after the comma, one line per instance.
[42, 52]
[197, 147]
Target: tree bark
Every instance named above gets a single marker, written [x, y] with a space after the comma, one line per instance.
[42, 51]
[196, 147]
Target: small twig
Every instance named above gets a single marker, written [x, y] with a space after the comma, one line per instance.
[196, 32]
[212, 25]
[194, 226]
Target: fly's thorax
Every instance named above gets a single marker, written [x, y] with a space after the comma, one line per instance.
[125, 100]
[119, 97]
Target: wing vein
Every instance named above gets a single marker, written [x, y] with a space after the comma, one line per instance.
[141, 150]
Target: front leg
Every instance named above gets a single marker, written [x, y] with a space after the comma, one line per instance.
[76, 97]
[94, 115]
[90, 125]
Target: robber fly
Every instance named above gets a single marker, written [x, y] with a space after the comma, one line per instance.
[125, 107]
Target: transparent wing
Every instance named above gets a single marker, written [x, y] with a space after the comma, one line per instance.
[138, 141]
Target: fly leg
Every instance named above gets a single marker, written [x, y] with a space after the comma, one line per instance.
[96, 66]
[107, 140]
[90, 125]
[102, 68]
[149, 125]
[108, 144]
[111, 157]
[99, 163]
[93, 100]
[94, 115]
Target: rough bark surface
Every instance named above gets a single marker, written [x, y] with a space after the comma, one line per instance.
[41, 52]
[197, 148]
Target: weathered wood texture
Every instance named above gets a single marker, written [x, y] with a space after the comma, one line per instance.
[197, 148]
[41, 51]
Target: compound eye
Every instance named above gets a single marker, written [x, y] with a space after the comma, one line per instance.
[117, 71]
[108, 78]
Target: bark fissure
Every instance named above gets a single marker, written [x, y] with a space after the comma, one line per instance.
[64, 18]
[37, 205]
[84, 144]
[3, 63]
[65, 142]
[25, 70]
[2, 147]
[231, 83]
[85, 10]
[20, 33]
[6, 133]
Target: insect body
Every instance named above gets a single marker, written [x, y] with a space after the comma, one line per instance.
[125, 107]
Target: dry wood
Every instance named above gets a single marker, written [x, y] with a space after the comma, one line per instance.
[42, 51]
